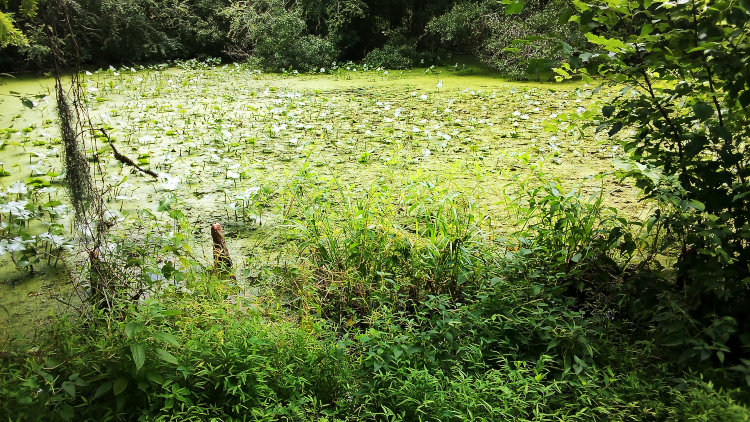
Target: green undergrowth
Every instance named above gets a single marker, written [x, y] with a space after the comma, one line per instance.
[396, 310]
[510, 351]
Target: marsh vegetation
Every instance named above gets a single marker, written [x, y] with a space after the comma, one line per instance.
[289, 235]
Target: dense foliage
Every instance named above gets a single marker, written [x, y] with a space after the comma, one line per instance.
[412, 312]
[440, 326]
[685, 67]
[303, 35]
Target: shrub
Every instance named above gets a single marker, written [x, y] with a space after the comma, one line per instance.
[276, 38]
[397, 53]
[181, 357]
[687, 105]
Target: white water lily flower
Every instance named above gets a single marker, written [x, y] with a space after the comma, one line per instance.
[18, 188]
[516, 113]
[126, 198]
[52, 238]
[426, 152]
[248, 193]
[37, 170]
[16, 209]
[169, 182]
[232, 174]
[439, 84]
[423, 97]
[16, 245]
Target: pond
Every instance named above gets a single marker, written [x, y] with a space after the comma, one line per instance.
[237, 146]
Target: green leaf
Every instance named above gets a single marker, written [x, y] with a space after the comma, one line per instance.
[615, 128]
[120, 385]
[102, 390]
[703, 111]
[514, 8]
[609, 44]
[133, 327]
[608, 110]
[166, 356]
[165, 204]
[745, 98]
[166, 338]
[139, 355]
[69, 388]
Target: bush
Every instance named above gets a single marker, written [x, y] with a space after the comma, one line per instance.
[275, 38]
[687, 105]
[178, 358]
[397, 53]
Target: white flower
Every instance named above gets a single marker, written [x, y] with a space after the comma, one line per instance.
[322, 70]
[248, 193]
[439, 84]
[169, 183]
[126, 198]
[232, 174]
[426, 152]
[423, 97]
[16, 245]
[52, 238]
[19, 188]
[17, 209]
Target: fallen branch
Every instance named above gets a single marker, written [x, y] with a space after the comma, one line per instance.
[125, 160]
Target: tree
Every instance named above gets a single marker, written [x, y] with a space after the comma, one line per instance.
[685, 66]
[9, 34]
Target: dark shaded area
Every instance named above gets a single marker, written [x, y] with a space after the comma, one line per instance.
[303, 35]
